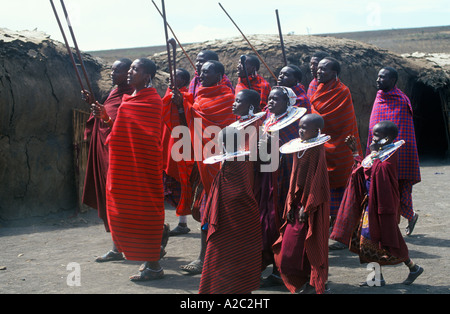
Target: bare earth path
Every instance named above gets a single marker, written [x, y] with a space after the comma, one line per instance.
[35, 254]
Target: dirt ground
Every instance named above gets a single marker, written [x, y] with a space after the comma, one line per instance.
[36, 253]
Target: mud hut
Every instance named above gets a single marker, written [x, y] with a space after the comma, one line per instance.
[425, 82]
[38, 93]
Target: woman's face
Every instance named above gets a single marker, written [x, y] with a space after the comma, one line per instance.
[278, 102]
[136, 75]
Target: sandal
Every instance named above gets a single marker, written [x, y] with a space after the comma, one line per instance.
[193, 268]
[411, 224]
[145, 264]
[148, 274]
[110, 256]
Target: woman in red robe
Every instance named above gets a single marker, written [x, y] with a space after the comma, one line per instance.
[134, 187]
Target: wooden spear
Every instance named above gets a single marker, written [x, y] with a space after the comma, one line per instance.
[251, 46]
[281, 38]
[67, 45]
[179, 44]
[83, 68]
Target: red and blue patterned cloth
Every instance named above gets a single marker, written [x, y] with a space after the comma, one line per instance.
[395, 106]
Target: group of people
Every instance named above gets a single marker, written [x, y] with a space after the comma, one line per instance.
[257, 205]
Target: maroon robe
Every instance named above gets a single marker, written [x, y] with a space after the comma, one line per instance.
[233, 255]
[385, 243]
[301, 251]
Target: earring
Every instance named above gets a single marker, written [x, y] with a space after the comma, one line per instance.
[250, 110]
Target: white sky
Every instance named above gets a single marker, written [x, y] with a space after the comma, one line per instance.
[112, 24]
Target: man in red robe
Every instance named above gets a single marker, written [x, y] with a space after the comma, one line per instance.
[211, 110]
[333, 102]
[134, 186]
[301, 251]
[94, 191]
[251, 76]
[393, 105]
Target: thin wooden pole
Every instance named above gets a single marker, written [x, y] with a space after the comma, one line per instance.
[179, 44]
[251, 46]
[67, 45]
[281, 38]
[83, 68]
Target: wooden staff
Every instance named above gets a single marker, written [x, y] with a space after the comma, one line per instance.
[167, 43]
[83, 68]
[244, 66]
[179, 44]
[281, 38]
[173, 75]
[251, 46]
[67, 45]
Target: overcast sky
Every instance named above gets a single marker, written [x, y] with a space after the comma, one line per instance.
[113, 24]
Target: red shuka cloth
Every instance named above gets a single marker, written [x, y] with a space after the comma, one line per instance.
[213, 107]
[259, 84]
[94, 190]
[304, 246]
[181, 170]
[333, 102]
[171, 119]
[233, 255]
[134, 187]
[383, 203]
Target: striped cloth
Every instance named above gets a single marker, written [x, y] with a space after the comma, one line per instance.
[333, 102]
[134, 187]
[336, 198]
[180, 170]
[259, 84]
[195, 84]
[94, 190]
[406, 202]
[232, 262]
[302, 98]
[395, 106]
[301, 251]
[312, 87]
[184, 168]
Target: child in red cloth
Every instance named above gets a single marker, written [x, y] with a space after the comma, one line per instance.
[369, 214]
[301, 251]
